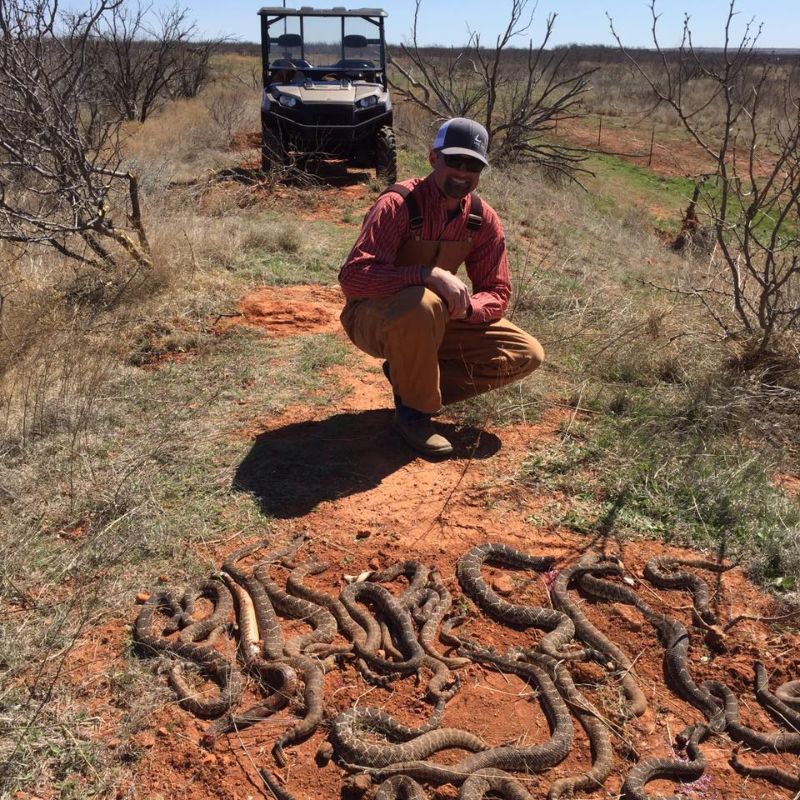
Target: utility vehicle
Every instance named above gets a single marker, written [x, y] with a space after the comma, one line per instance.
[325, 93]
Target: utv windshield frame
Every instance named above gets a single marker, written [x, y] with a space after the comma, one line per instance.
[344, 69]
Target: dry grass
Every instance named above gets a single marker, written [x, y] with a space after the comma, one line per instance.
[191, 138]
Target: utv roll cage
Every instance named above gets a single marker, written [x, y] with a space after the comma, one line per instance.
[325, 89]
[365, 69]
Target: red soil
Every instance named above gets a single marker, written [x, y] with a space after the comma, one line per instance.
[367, 502]
[671, 157]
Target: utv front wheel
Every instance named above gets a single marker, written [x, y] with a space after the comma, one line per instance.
[273, 153]
[386, 155]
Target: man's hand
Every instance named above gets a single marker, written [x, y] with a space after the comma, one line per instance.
[451, 289]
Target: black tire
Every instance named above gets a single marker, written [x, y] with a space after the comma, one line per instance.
[386, 155]
[273, 153]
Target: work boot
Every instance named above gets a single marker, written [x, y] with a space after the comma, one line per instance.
[418, 432]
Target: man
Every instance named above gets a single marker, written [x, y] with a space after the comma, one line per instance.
[441, 342]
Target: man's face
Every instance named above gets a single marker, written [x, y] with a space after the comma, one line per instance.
[458, 180]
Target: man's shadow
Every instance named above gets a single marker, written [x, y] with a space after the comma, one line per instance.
[292, 469]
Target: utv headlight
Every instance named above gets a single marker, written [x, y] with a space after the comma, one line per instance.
[368, 102]
[287, 101]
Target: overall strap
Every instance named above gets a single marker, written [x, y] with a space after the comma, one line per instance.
[475, 218]
[414, 213]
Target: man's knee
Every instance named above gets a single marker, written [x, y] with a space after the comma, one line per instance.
[416, 306]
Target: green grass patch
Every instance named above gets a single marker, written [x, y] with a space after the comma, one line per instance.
[140, 487]
[281, 269]
[312, 254]
[412, 164]
[318, 353]
[619, 186]
[660, 470]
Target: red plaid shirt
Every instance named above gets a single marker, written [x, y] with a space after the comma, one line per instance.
[369, 270]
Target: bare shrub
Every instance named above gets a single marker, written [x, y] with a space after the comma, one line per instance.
[226, 109]
[518, 94]
[51, 367]
[61, 182]
[416, 124]
[194, 69]
[280, 237]
[751, 288]
[147, 58]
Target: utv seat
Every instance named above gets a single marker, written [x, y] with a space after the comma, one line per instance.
[284, 70]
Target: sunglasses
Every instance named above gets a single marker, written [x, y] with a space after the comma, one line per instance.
[464, 163]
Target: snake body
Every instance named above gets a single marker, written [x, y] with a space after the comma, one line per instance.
[404, 623]
[400, 787]
[321, 620]
[593, 725]
[683, 771]
[534, 758]
[273, 645]
[776, 742]
[495, 781]
[149, 642]
[436, 613]
[789, 693]
[347, 737]
[271, 636]
[207, 628]
[771, 774]
[468, 571]
[313, 699]
[774, 702]
[356, 624]
[662, 572]
[415, 572]
[675, 640]
[401, 624]
[280, 680]
[276, 790]
[588, 633]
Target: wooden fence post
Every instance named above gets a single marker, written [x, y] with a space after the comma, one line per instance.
[599, 131]
[652, 142]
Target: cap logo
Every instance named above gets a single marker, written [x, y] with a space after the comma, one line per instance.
[479, 142]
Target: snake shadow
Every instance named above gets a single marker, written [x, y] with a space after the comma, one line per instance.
[290, 470]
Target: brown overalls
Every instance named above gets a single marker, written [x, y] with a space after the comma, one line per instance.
[435, 360]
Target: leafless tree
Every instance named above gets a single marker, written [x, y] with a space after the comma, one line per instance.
[194, 61]
[148, 58]
[60, 175]
[519, 94]
[752, 200]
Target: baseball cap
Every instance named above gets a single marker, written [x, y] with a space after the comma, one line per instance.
[461, 136]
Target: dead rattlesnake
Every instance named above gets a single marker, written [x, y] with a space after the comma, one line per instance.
[149, 642]
[652, 768]
[348, 738]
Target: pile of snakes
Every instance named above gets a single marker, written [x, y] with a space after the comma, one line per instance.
[415, 629]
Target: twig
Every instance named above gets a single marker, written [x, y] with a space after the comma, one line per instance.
[575, 411]
[252, 762]
[754, 618]
[223, 316]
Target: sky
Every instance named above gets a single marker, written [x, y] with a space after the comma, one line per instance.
[577, 22]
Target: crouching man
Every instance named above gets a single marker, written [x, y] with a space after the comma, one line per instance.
[440, 340]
